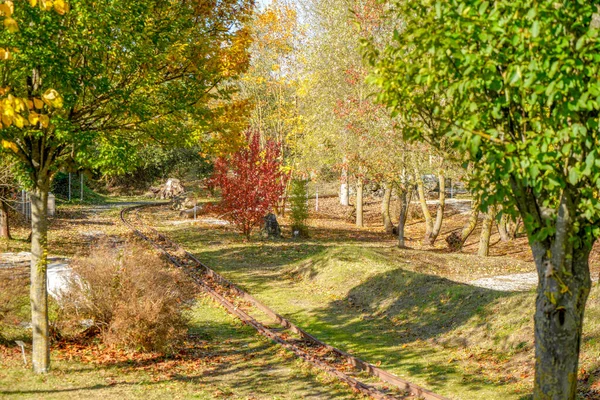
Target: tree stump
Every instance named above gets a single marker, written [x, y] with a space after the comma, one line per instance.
[271, 228]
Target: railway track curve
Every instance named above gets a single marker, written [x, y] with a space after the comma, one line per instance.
[240, 304]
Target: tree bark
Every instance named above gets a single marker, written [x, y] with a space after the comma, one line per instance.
[486, 232]
[503, 228]
[456, 240]
[423, 202]
[563, 289]
[471, 223]
[405, 197]
[439, 217]
[344, 188]
[385, 208]
[4, 222]
[39, 266]
[359, 202]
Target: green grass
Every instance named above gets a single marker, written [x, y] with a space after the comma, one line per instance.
[225, 360]
[396, 308]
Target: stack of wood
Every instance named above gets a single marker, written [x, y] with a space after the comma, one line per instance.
[170, 189]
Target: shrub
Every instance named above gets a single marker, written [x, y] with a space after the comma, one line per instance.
[132, 298]
[299, 204]
[14, 299]
[251, 182]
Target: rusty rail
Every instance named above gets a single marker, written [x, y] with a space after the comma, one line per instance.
[191, 269]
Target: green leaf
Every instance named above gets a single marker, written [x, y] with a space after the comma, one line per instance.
[535, 28]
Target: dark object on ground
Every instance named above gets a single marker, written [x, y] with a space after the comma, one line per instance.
[192, 212]
[454, 241]
[172, 188]
[271, 227]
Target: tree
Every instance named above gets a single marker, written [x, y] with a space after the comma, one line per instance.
[519, 80]
[8, 191]
[89, 85]
[251, 182]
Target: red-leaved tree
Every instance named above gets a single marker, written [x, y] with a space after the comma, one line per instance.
[251, 182]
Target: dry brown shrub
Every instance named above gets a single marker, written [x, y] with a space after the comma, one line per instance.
[14, 300]
[132, 297]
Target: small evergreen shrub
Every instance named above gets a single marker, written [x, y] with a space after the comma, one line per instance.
[299, 204]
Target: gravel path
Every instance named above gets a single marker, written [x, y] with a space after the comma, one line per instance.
[508, 283]
[511, 283]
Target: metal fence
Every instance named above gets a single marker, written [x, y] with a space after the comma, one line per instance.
[24, 205]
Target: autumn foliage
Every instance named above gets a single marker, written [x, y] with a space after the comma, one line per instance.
[251, 182]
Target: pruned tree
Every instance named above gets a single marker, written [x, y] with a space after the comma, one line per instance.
[517, 87]
[251, 182]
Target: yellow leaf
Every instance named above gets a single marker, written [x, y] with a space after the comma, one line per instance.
[10, 145]
[44, 120]
[20, 121]
[46, 5]
[5, 54]
[20, 105]
[39, 104]
[34, 118]
[5, 10]
[30, 104]
[11, 25]
[33, 3]
[6, 120]
[52, 98]
[61, 7]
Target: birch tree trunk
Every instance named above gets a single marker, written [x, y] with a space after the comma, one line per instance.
[423, 202]
[344, 188]
[486, 232]
[39, 266]
[439, 217]
[359, 202]
[385, 208]
[503, 228]
[4, 222]
[471, 223]
[405, 197]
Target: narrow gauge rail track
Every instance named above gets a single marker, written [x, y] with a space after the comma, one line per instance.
[238, 303]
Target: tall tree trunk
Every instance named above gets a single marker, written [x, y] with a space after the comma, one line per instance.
[39, 265]
[344, 188]
[486, 232]
[439, 217]
[405, 197]
[385, 208]
[359, 202]
[4, 222]
[423, 202]
[563, 288]
[503, 228]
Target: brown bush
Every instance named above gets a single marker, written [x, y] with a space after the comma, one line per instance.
[133, 298]
[14, 298]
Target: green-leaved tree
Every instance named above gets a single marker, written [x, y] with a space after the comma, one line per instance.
[516, 84]
[93, 80]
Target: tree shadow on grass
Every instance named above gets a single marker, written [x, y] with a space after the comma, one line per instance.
[391, 317]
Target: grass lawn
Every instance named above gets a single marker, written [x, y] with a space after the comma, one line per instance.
[409, 311]
[222, 359]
